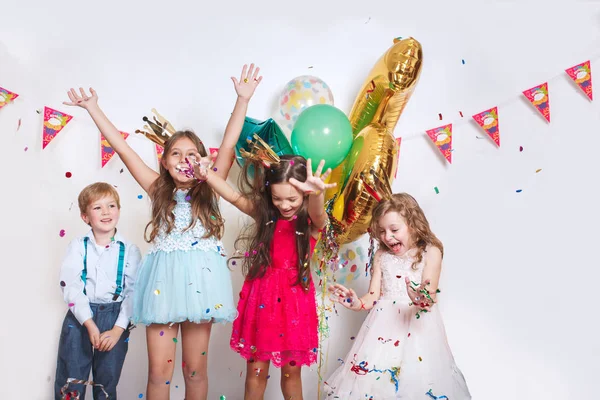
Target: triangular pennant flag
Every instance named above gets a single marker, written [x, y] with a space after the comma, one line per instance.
[582, 76]
[540, 98]
[488, 120]
[54, 122]
[159, 153]
[6, 97]
[442, 137]
[107, 150]
[398, 140]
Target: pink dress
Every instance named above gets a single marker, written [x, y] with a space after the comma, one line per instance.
[277, 319]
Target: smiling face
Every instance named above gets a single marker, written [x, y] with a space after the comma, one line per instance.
[102, 214]
[174, 160]
[395, 233]
[287, 199]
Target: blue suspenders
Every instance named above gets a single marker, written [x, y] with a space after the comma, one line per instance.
[119, 268]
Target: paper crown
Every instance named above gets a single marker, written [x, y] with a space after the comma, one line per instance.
[260, 151]
[159, 130]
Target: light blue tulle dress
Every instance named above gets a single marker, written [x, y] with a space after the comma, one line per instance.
[184, 277]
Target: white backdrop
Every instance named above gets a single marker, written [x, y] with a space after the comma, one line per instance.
[513, 260]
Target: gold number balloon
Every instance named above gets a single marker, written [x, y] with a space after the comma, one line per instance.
[374, 115]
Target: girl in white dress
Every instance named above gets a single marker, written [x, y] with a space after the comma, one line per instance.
[401, 350]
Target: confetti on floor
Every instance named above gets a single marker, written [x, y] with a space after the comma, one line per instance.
[437, 191]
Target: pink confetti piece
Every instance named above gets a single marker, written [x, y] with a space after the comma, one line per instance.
[71, 304]
[19, 125]
[26, 148]
[61, 233]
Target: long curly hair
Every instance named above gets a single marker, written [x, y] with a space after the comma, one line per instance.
[407, 206]
[204, 202]
[254, 243]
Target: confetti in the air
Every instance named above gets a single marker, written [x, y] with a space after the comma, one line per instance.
[61, 233]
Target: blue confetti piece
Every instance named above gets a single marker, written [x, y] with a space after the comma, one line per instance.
[140, 395]
[463, 62]
[167, 382]
[519, 190]
[195, 243]
[208, 310]
[127, 340]
[140, 196]
[71, 326]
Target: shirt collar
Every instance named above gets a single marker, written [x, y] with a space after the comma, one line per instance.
[117, 238]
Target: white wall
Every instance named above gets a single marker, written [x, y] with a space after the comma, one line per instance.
[514, 263]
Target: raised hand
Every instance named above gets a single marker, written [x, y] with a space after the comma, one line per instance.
[314, 184]
[248, 82]
[81, 99]
[419, 295]
[346, 297]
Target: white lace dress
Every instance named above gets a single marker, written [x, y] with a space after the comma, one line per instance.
[184, 276]
[395, 354]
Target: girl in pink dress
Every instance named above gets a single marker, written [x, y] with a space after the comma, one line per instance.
[277, 309]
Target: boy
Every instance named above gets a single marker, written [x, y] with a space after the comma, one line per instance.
[97, 278]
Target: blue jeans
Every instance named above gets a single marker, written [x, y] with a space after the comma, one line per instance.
[76, 357]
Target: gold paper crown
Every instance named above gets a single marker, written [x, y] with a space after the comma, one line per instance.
[158, 131]
[260, 151]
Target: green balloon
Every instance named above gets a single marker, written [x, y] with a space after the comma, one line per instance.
[268, 131]
[322, 132]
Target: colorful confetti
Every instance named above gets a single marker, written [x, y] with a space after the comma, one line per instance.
[461, 114]
[19, 125]
[63, 284]
[61, 233]
[174, 340]
[520, 148]
[437, 191]
[161, 333]
[140, 196]
[157, 292]
[440, 115]
[68, 174]
[140, 395]
[538, 170]
[463, 62]
[71, 304]
[519, 190]
[26, 148]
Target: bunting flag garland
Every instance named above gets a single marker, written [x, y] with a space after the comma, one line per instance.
[399, 141]
[488, 120]
[442, 138]
[6, 96]
[107, 150]
[539, 97]
[54, 122]
[582, 76]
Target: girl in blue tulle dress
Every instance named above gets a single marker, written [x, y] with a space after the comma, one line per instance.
[184, 282]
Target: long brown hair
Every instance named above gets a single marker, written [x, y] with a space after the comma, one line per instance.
[255, 241]
[204, 201]
[407, 206]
